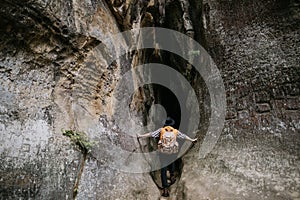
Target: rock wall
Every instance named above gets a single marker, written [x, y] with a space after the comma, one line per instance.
[55, 74]
[54, 77]
[255, 45]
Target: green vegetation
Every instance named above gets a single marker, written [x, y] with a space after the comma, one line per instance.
[80, 139]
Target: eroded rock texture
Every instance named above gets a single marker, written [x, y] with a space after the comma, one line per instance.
[256, 46]
[53, 77]
[56, 74]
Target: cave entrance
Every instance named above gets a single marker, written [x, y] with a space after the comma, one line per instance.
[167, 99]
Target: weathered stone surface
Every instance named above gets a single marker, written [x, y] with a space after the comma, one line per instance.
[54, 76]
[255, 45]
[263, 107]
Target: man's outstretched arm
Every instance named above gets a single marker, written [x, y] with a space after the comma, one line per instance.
[190, 139]
[151, 134]
[144, 135]
[184, 136]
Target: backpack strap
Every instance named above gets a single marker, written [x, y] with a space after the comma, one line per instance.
[168, 129]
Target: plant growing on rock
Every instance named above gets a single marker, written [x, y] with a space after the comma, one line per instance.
[80, 139]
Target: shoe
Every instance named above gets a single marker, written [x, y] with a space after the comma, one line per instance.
[173, 180]
[165, 192]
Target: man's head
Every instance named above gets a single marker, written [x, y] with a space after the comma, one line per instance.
[169, 122]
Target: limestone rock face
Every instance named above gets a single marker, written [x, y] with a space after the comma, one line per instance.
[53, 77]
[255, 46]
[57, 72]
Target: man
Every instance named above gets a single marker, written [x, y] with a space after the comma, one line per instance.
[168, 149]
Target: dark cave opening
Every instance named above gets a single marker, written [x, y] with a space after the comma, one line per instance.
[168, 100]
[179, 109]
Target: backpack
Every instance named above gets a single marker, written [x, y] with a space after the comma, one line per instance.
[167, 141]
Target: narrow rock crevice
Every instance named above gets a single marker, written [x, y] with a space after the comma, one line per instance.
[177, 16]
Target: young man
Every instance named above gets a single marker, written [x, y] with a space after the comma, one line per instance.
[168, 149]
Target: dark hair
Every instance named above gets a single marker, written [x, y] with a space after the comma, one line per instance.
[169, 122]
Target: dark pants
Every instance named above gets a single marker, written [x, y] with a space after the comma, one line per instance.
[167, 162]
